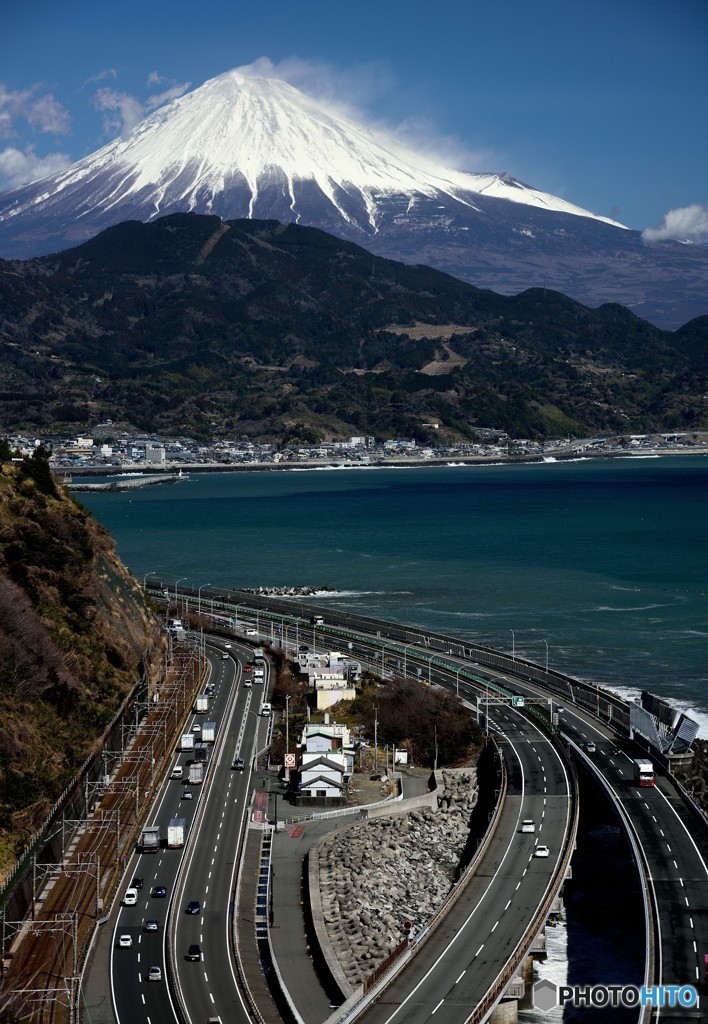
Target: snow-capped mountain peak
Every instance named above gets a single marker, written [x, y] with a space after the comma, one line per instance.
[243, 134]
[249, 146]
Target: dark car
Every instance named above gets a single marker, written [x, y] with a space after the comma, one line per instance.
[194, 907]
[239, 764]
[159, 891]
[303, 648]
[194, 952]
[137, 882]
[151, 925]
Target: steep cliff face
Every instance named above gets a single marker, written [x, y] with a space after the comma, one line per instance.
[75, 636]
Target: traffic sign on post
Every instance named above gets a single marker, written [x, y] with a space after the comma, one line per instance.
[517, 702]
[289, 760]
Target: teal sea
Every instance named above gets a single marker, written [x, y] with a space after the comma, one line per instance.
[600, 565]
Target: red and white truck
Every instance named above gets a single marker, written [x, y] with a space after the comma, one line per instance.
[643, 772]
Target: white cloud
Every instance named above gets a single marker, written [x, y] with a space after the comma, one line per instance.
[18, 167]
[159, 99]
[685, 223]
[49, 115]
[44, 113]
[100, 76]
[121, 111]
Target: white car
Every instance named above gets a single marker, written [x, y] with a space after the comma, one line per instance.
[251, 632]
[541, 851]
[130, 897]
[227, 646]
[527, 825]
[125, 941]
[154, 974]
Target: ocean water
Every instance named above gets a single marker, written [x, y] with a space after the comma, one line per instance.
[601, 566]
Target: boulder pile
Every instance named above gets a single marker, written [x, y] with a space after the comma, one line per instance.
[382, 872]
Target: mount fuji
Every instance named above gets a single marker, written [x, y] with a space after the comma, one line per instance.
[242, 146]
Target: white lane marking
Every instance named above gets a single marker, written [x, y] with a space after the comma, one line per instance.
[437, 1007]
[479, 950]
[461, 977]
[495, 927]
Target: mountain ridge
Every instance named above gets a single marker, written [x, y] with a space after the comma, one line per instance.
[241, 146]
[191, 325]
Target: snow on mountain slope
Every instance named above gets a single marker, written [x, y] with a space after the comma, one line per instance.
[249, 133]
[243, 146]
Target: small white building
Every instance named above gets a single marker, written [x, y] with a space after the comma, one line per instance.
[323, 778]
[155, 454]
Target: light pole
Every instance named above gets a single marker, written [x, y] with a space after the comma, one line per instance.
[146, 576]
[405, 657]
[546, 643]
[513, 646]
[180, 580]
[199, 597]
[457, 681]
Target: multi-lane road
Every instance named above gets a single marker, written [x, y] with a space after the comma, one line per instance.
[203, 871]
[464, 956]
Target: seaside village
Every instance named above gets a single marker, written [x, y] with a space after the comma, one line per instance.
[108, 449]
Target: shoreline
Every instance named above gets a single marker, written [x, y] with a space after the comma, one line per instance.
[403, 462]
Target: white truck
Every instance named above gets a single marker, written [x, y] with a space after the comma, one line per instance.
[196, 773]
[187, 741]
[201, 704]
[208, 732]
[176, 832]
[258, 654]
[643, 772]
[259, 673]
[150, 839]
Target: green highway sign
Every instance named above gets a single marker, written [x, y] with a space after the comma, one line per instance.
[517, 702]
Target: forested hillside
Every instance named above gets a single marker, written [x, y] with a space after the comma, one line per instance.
[190, 325]
[75, 636]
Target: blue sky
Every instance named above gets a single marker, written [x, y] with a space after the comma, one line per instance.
[602, 104]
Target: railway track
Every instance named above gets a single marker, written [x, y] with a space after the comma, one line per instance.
[45, 953]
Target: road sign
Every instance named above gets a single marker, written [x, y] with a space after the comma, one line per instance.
[289, 760]
[517, 702]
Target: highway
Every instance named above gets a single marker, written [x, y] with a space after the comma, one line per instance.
[214, 818]
[466, 953]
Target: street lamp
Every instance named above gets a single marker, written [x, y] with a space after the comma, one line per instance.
[180, 580]
[513, 646]
[457, 681]
[199, 597]
[546, 643]
[405, 657]
[146, 576]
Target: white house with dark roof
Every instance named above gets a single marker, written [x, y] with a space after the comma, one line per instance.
[323, 778]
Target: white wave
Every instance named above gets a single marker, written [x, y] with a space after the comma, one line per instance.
[555, 969]
[631, 608]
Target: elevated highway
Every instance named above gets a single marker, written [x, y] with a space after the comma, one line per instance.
[669, 834]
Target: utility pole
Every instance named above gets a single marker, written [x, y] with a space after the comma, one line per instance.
[376, 735]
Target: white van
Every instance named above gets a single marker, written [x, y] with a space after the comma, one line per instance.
[265, 710]
[130, 897]
[177, 771]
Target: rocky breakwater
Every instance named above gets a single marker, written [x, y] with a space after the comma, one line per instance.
[377, 874]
